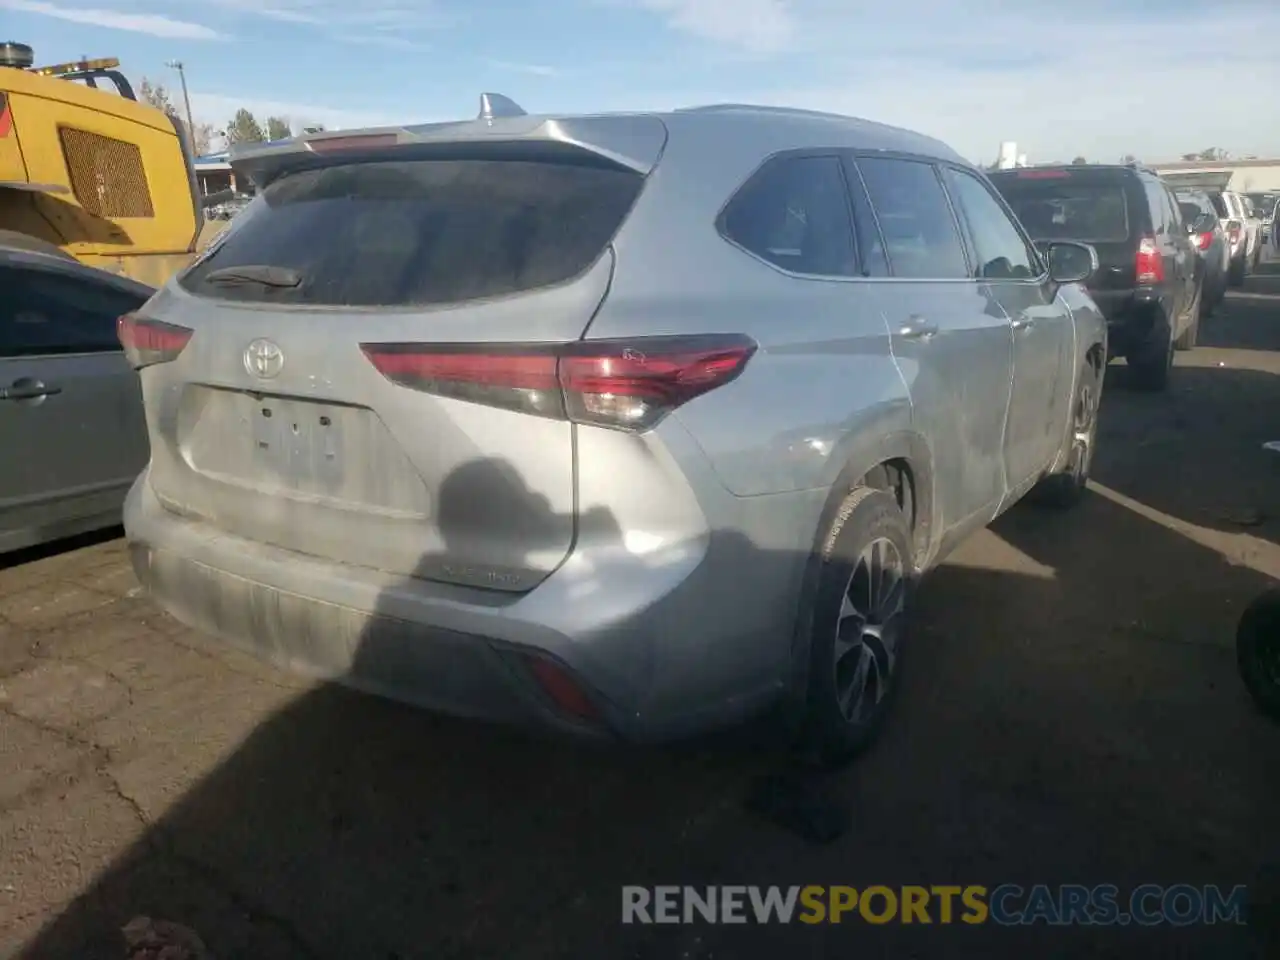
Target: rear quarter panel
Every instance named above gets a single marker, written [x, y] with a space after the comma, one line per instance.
[824, 378]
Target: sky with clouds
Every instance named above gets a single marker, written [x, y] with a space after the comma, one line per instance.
[1155, 78]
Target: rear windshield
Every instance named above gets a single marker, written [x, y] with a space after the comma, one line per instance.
[421, 232]
[1068, 209]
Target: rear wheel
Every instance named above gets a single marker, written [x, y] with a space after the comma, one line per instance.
[1151, 363]
[1258, 651]
[24, 241]
[1236, 272]
[1066, 488]
[1189, 336]
[856, 626]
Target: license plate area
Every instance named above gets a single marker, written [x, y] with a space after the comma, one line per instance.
[298, 445]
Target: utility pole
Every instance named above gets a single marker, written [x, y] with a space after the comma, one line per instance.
[186, 98]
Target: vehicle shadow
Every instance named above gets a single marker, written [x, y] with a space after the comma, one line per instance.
[1050, 731]
[1208, 428]
[64, 545]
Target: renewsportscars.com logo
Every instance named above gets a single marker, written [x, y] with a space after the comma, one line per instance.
[1006, 905]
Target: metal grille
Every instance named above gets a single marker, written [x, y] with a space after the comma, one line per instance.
[107, 175]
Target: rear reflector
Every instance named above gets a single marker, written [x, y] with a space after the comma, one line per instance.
[146, 342]
[559, 685]
[623, 384]
[1150, 265]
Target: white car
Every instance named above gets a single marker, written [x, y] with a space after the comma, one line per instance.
[1244, 230]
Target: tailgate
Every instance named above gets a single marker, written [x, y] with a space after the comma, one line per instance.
[273, 425]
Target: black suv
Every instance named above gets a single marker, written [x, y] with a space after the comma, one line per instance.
[1148, 283]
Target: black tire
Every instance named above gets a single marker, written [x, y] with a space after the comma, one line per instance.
[1236, 273]
[1258, 651]
[1189, 336]
[1066, 488]
[24, 241]
[867, 520]
[1151, 363]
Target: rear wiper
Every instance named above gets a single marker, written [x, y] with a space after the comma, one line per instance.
[264, 274]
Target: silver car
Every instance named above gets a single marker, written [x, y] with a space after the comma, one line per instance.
[71, 412]
[629, 425]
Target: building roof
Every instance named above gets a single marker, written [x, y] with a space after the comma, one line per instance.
[1216, 164]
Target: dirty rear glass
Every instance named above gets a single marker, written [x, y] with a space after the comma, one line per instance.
[1065, 209]
[421, 232]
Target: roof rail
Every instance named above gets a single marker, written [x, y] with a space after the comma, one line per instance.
[495, 106]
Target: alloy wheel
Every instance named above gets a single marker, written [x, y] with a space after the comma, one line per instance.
[868, 631]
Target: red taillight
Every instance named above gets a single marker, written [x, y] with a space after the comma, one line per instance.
[149, 341]
[1204, 241]
[625, 384]
[1233, 231]
[1150, 265]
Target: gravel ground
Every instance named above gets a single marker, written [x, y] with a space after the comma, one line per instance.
[1071, 715]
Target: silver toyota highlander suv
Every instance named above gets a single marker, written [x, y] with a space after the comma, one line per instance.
[632, 425]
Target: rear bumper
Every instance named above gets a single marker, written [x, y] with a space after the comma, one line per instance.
[657, 644]
[1131, 315]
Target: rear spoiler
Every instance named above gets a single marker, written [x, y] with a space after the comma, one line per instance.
[634, 141]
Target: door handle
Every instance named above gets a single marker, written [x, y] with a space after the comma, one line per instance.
[1022, 323]
[27, 390]
[917, 328]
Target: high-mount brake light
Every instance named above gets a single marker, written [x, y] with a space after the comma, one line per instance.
[623, 384]
[1149, 265]
[1043, 174]
[148, 342]
[360, 141]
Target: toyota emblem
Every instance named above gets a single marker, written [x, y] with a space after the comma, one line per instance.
[263, 359]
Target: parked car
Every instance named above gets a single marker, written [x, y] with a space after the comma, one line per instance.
[1210, 239]
[627, 425]
[70, 406]
[1244, 229]
[1148, 284]
[1265, 205]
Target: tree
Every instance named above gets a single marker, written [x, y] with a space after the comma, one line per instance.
[1128, 158]
[244, 129]
[278, 128]
[156, 95]
[1213, 153]
[202, 139]
[1079, 161]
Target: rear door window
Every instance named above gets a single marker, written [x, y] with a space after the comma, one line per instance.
[1157, 206]
[47, 313]
[920, 234]
[404, 233]
[1002, 253]
[1068, 207]
[794, 213]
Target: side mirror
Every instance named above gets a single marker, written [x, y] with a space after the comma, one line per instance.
[1071, 262]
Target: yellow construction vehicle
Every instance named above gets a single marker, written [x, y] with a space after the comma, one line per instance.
[93, 174]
